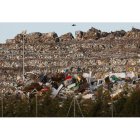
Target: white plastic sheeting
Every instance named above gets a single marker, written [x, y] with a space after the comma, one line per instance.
[122, 75]
[55, 92]
[88, 96]
[130, 74]
[72, 85]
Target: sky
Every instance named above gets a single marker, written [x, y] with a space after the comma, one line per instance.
[10, 30]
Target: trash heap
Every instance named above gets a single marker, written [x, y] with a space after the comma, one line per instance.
[84, 85]
[66, 37]
[134, 33]
[46, 37]
[116, 34]
[19, 38]
[78, 35]
[95, 34]
[64, 67]
[10, 41]
[36, 37]
[33, 38]
[92, 33]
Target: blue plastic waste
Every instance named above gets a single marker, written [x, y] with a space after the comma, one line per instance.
[39, 34]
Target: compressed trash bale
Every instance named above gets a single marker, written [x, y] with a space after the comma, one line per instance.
[46, 37]
[10, 41]
[92, 33]
[78, 35]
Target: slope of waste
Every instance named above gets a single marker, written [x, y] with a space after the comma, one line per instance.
[66, 65]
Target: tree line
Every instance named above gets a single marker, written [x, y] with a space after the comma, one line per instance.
[126, 104]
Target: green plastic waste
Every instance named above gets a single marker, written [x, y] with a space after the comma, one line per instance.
[115, 78]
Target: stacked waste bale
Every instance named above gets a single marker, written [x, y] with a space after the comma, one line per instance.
[92, 34]
[78, 35]
[46, 37]
[10, 41]
[66, 37]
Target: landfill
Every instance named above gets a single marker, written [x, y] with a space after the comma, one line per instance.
[66, 65]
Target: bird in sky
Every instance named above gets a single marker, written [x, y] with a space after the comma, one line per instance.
[73, 25]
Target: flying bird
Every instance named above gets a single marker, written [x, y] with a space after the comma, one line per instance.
[73, 25]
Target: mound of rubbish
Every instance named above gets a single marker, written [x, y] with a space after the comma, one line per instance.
[134, 33]
[35, 37]
[78, 35]
[48, 37]
[91, 34]
[116, 34]
[10, 41]
[66, 37]
[95, 34]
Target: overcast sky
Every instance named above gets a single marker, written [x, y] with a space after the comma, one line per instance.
[10, 30]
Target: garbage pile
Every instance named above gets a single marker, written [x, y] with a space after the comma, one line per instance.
[95, 34]
[36, 37]
[116, 34]
[78, 35]
[10, 41]
[134, 33]
[66, 37]
[90, 34]
[83, 85]
[33, 38]
[70, 66]
[69, 58]
[49, 37]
